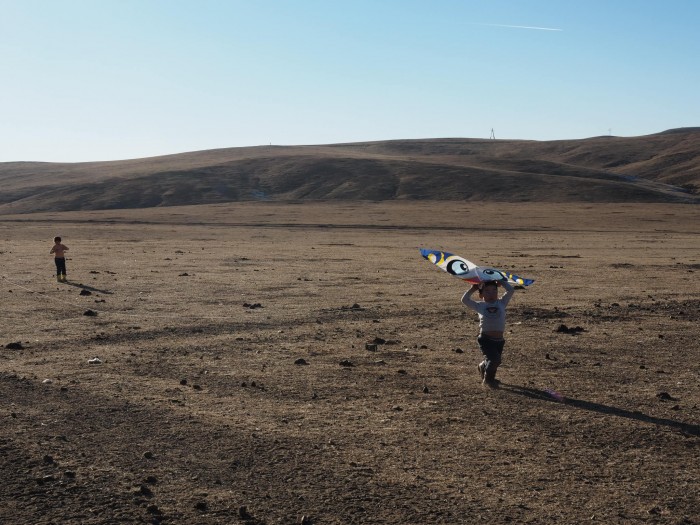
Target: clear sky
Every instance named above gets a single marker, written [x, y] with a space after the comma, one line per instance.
[88, 80]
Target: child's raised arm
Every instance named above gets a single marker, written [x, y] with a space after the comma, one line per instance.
[467, 297]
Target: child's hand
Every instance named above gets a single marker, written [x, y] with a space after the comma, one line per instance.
[475, 287]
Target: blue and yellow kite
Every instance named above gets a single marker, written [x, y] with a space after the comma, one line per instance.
[468, 271]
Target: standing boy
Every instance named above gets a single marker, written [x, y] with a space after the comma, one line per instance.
[492, 324]
[59, 250]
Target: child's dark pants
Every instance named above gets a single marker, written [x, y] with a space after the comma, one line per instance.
[60, 265]
[492, 350]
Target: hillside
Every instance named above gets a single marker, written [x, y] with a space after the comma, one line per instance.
[663, 167]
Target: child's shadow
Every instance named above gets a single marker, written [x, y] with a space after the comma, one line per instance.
[88, 288]
[544, 395]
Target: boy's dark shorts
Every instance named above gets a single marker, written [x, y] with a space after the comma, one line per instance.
[492, 350]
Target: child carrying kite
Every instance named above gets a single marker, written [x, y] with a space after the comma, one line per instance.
[492, 324]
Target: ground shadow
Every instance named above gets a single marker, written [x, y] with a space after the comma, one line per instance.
[88, 288]
[545, 395]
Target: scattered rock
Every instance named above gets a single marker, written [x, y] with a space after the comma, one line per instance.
[69, 474]
[90, 313]
[665, 396]
[574, 330]
[353, 307]
[201, 506]
[184, 274]
[148, 455]
[426, 390]
[305, 520]
[243, 512]
[14, 346]
[459, 351]
[143, 490]
[47, 381]
[85, 292]
[300, 361]
[372, 347]
[45, 479]
[95, 361]
[183, 382]
[252, 306]
[346, 362]
[379, 341]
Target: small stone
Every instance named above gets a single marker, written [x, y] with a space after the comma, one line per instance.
[148, 455]
[95, 361]
[14, 346]
[665, 396]
[85, 292]
[201, 505]
[346, 362]
[183, 382]
[426, 390]
[90, 313]
[143, 490]
[300, 361]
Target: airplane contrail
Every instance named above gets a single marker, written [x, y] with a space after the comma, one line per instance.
[523, 27]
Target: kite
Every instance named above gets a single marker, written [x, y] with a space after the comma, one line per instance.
[468, 271]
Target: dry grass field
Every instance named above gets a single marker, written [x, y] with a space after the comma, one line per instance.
[202, 412]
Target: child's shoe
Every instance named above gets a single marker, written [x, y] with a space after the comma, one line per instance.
[481, 369]
[491, 383]
[58, 279]
[63, 278]
[490, 379]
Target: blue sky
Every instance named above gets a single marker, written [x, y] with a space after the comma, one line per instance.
[114, 79]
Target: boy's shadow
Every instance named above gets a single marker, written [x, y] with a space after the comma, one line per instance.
[88, 288]
[543, 395]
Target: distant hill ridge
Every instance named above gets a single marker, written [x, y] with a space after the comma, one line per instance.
[664, 167]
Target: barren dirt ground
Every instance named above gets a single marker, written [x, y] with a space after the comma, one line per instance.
[201, 412]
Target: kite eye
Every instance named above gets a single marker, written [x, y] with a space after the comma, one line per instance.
[497, 276]
[457, 268]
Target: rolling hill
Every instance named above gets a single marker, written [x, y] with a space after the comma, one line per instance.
[663, 167]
